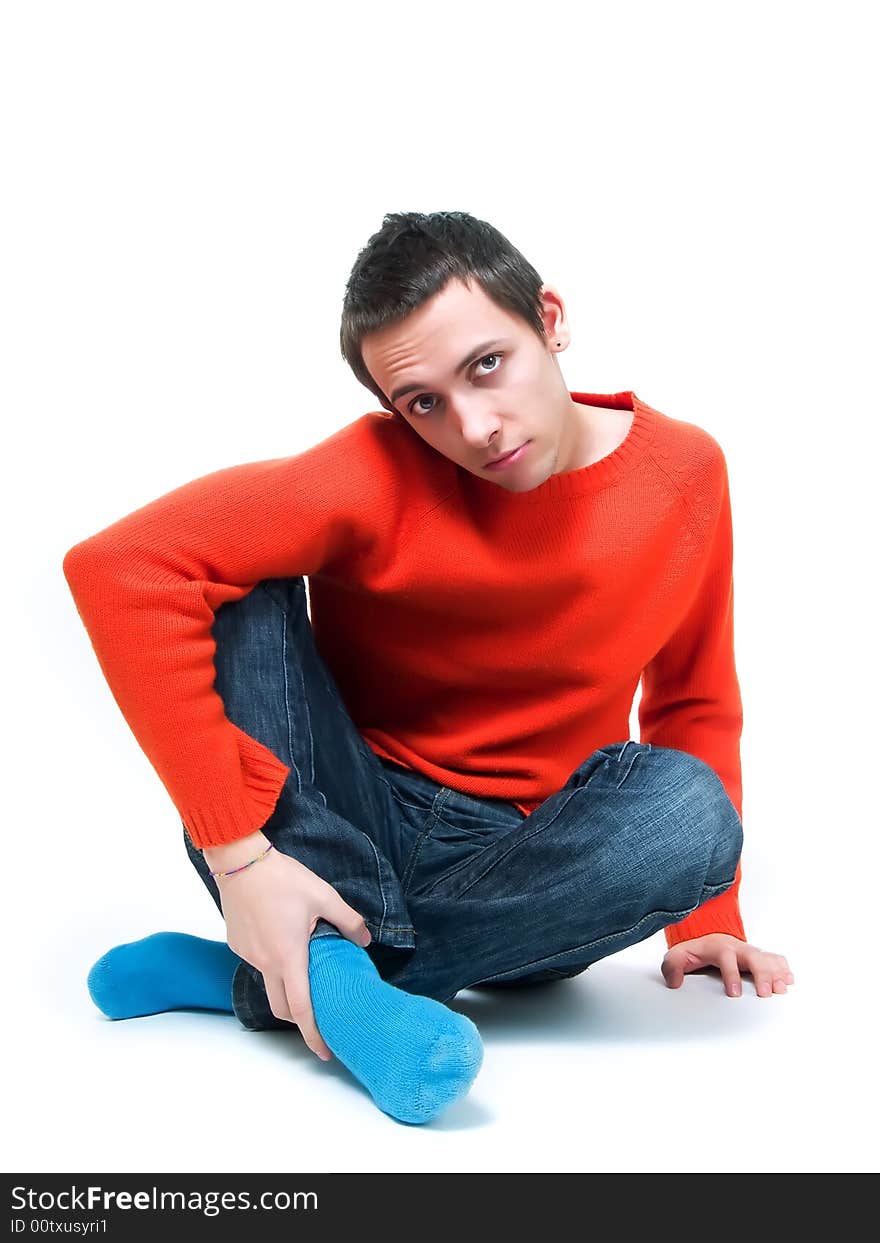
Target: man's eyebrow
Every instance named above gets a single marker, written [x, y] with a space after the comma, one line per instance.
[485, 348]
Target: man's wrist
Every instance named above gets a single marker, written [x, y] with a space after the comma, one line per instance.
[234, 854]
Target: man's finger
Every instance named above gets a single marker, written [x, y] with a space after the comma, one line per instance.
[673, 973]
[299, 999]
[350, 924]
[729, 968]
[277, 997]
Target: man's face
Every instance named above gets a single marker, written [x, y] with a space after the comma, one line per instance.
[475, 382]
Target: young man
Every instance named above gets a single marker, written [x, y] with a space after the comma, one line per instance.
[429, 784]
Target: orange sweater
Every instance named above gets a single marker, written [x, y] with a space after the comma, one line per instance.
[490, 639]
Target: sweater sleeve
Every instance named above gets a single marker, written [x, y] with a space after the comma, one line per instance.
[691, 695]
[148, 586]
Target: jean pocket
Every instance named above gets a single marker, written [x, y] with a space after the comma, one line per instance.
[454, 831]
[416, 806]
[461, 816]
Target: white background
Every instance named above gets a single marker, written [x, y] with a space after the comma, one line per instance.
[186, 187]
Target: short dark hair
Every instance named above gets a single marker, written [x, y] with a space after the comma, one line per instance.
[411, 259]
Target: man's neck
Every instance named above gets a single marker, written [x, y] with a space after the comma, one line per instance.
[599, 430]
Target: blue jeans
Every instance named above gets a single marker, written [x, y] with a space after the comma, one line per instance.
[460, 891]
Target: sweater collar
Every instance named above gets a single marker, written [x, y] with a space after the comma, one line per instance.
[585, 478]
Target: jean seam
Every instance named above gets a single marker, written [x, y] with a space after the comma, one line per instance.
[520, 841]
[383, 925]
[412, 806]
[285, 614]
[392, 788]
[380, 885]
[439, 819]
[672, 917]
[474, 833]
[629, 769]
[436, 807]
[471, 798]
[290, 752]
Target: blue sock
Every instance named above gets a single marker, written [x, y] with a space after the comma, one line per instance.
[165, 971]
[414, 1055]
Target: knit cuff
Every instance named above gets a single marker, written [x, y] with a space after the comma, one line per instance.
[242, 809]
[706, 919]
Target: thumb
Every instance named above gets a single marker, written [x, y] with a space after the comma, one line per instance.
[350, 924]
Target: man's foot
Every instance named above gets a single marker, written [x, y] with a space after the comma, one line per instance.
[413, 1054]
[165, 971]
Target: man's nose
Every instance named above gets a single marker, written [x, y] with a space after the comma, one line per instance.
[475, 421]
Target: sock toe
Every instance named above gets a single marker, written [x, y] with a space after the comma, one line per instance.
[450, 1068]
[106, 985]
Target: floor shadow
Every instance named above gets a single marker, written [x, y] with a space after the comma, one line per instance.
[613, 1002]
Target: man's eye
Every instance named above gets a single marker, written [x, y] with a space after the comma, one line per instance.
[427, 397]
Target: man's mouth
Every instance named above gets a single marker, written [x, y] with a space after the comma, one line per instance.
[513, 455]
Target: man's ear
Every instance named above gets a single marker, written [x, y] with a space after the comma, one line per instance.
[555, 321]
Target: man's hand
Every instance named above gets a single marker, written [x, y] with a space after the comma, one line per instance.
[770, 972]
[271, 910]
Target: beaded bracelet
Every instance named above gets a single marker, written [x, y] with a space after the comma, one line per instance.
[260, 856]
